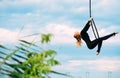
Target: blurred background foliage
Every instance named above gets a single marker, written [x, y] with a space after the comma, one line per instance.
[29, 60]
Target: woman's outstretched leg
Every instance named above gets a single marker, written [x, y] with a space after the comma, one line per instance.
[108, 36]
[100, 40]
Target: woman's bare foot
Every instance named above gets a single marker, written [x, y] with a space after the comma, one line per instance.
[115, 33]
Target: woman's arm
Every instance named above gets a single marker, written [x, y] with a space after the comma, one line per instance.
[85, 29]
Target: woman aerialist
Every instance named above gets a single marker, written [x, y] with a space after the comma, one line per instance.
[91, 44]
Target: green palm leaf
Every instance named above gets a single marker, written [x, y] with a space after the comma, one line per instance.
[29, 60]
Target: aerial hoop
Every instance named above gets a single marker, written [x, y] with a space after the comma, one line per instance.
[90, 7]
[94, 28]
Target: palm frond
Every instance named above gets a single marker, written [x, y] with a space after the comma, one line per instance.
[12, 53]
[29, 60]
[26, 42]
[8, 56]
[1, 46]
[63, 74]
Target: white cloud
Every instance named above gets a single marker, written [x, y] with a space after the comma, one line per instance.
[105, 8]
[48, 5]
[7, 36]
[104, 5]
[10, 37]
[63, 33]
[90, 65]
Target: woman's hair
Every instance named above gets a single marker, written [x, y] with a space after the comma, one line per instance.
[77, 36]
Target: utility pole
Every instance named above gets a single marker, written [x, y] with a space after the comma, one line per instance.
[87, 74]
[109, 74]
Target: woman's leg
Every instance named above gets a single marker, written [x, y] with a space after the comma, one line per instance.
[99, 47]
[99, 41]
[107, 36]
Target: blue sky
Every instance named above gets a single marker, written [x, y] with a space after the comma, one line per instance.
[63, 18]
